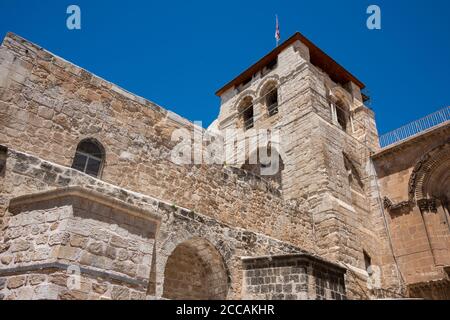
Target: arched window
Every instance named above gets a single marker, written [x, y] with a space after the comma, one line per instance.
[89, 157]
[270, 96]
[246, 113]
[195, 270]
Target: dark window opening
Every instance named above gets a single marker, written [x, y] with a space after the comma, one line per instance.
[248, 117]
[3, 156]
[246, 81]
[272, 102]
[270, 66]
[367, 263]
[245, 111]
[342, 116]
[89, 157]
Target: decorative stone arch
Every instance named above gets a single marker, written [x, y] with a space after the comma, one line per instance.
[243, 95]
[430, 179]
[205, 258]
[94, 138]
[267, 82]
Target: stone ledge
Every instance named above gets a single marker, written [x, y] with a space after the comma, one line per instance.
[4, 272]
[77, 191]
[275, 259]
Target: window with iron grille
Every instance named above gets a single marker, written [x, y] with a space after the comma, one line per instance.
[248, 117]
[246, 113]
[272, 102]
[89, 157]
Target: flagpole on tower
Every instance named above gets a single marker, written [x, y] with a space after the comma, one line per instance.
[277, 30]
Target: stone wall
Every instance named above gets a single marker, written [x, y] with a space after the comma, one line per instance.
[316, 153]
[292, 277]
[48, 106]
[122, 241]
[420, 233]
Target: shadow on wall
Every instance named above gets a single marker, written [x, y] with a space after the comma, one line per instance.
[3, 156]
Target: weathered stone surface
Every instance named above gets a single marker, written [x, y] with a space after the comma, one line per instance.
[78, 241]
[135, 295]
[73, 295]
[100, 288]
[36, 279]
[20, 245]
[59, 279]
[120, 293]
[6, 260]
[59, 238]
[16, 282]
[119, 242]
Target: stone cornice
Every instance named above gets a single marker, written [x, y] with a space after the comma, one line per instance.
[75, 191]
[295, 256]
[94, 272]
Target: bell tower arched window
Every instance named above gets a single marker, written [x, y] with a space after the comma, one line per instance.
[270, 98]
[340, 114]
[246, 113]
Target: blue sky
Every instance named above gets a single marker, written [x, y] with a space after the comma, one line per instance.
[178, 53]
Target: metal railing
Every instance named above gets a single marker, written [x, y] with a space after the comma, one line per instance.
[415, 127]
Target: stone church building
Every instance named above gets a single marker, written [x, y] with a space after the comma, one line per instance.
[92, 205]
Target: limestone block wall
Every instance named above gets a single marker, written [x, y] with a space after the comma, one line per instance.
[52, 235]
[292, 277]
[123, 242]
[347, 214]
[48, 106]
[420, 234]
[348, 219]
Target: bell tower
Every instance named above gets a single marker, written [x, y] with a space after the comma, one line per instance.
[325, 137]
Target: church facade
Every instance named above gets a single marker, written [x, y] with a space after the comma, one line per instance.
[99, 198]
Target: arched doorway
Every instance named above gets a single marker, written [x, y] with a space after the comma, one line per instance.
[195, 271]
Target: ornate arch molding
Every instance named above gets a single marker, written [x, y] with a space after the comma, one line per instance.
[419, 180]
[211, 258]
[169, 244]
[245, 95]
[275, 79]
